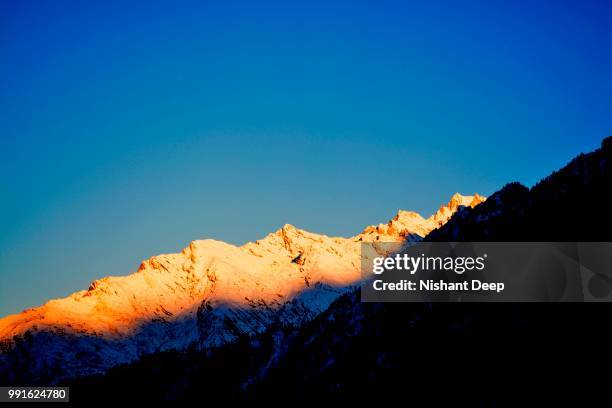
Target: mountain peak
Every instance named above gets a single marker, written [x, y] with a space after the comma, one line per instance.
[446, 211]
[460, 200]
[208, 294]
[411, 225]
[403, 214]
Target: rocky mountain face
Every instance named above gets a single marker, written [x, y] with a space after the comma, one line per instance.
[478, 354]
[210, 294]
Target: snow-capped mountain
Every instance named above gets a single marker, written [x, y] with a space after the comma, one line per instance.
[412, 225]
[208, 295]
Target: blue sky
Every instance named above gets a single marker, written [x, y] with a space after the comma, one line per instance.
[130, 130]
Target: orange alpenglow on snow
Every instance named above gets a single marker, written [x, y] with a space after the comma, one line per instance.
[264, 274]
[407, 223]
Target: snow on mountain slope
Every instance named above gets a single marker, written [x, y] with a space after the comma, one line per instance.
[412, 225]
[207, 295]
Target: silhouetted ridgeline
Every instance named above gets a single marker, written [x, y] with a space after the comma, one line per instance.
[487, 354]
[572, 204]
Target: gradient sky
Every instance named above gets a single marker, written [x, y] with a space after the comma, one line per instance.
[130, 130]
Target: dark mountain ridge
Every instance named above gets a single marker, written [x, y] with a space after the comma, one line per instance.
[571, 204]
[488, 354]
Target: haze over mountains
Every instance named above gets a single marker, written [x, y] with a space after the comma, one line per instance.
[208, 295]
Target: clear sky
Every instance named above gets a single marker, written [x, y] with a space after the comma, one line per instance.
[128, 130]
